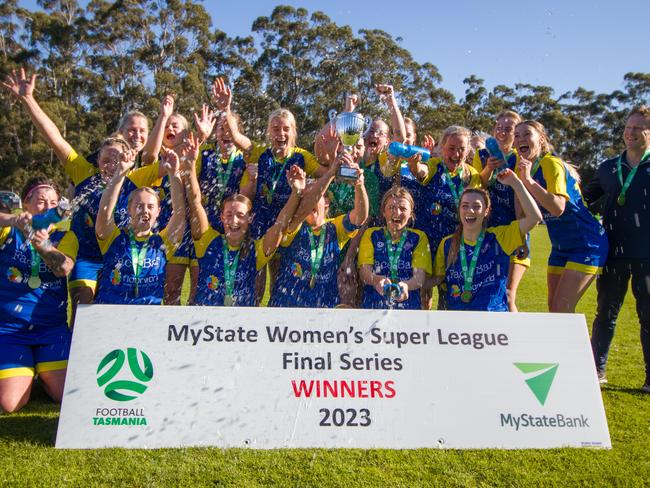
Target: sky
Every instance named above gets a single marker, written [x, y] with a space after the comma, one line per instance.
[562, 44]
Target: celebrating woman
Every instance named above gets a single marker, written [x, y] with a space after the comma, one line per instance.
[579, 244]
[34, 333]
[474, 262]
[394, 259]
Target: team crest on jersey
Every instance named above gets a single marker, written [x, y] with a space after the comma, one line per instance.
[212, 282]
[14, 275]
[265, 190]
[116, 277]
[88, 220]
[436, 208]
[455, 291]
[296, 270]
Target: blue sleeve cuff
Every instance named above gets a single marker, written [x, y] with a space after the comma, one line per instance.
[348, 225]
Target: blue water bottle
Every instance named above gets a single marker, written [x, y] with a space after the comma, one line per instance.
[52, 216]
[400, 150]
[493, 148]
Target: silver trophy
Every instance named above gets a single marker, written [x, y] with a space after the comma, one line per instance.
[349, 127]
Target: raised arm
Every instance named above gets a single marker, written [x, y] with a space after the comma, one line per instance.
[154, 141]
[419, 169]
[222, 98]
[204, 124]
[555, 204]
[60, 264]
[359, 214]
[105, 225]
[297, 180]
[23, 89]
[532, 214]
[198, 218]
[387, 94]
[176, 226]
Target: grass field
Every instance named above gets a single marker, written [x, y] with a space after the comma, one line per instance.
[28, 458]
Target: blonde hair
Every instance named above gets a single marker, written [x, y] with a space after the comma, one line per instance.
[283, 113]
[457, 236]
[397, 192]
[509, 114]
[144, 189]
[184, 124]
[547, 147]
[115, 140]
[126, 118]
[642, 110]
[457, 130]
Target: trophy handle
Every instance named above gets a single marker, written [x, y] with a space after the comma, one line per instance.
[332, 114]
[368, 121]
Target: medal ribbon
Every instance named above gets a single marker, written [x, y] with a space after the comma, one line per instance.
[316, 251]
[36, 261]
[630, 176]
[506, 158]
[456, 191]
[276, 176]
[394, 254]
[468, 272]
[137, 257]
[229, 268]
[223, 176]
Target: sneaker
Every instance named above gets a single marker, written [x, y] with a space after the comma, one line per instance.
[646, 388]
[602, 377]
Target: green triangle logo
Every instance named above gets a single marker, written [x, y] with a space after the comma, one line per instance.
[539, 384]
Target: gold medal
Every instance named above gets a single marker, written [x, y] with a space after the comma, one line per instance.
[466, 296]
[621, 200]
[228, 301]
[34, 282]
[312, 282]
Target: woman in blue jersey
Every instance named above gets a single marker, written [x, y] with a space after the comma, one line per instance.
[34, 334]
[229, 260]
[135, 258]
[310, 252]
[89, 180]
[443, 179]
[394, 259]
[579, 244]
[474, 262]
[502, 197]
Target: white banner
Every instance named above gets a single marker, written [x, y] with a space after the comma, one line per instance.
[149, 377]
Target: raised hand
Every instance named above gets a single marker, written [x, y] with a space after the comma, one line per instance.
[507, 177]
[386, 93]
[252, 169]
[167, 106]
[170, 161]
[221, 95]
[330, 141]
[205, 124]
[189, 149]
[24, 222]
[524, 168]
[19, 85]
[297, 178]
[351, 102]
[126, 161]
[429, 143]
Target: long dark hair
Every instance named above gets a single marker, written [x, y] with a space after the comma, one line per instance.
[457, 237]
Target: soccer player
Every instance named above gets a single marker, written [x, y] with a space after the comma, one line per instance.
[34, 333]
[135, 258]
[624, 182]
[394, 259]
[579, 244]
[474, 262]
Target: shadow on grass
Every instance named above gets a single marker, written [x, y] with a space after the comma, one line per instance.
[622, 389]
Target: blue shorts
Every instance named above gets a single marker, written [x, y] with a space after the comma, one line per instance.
[185, 253]
[85, 273]
[589, 261]
[23, 352]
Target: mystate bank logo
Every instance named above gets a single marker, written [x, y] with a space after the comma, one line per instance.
[124, 377]
[540, 378]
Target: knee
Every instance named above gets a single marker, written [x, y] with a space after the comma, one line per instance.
[11, 403]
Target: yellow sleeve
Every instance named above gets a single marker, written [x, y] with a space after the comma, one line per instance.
[474, 179]
[433, 168]
[4, 233]
[145, 176]
[201, 246]
[477, 164]
[422, 254]
[508, 236]
[261, 259]
[440, 265]
[311, 165]
[288, 238]
[104, 244]
[256, 152]
[78, 168]
[366, 250]
[554, 175]
[342, 234]
[170, 248]
[389, 166]
[69, 245]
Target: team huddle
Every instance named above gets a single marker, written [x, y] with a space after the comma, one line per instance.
[252, 218]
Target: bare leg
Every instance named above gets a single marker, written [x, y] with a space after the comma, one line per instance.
[194, 283]
[569, 289]
[14, 393]
[515, 274]
[174, 276]
[53, 382]
[84, 295]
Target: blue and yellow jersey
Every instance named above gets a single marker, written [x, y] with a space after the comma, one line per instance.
[378, 178]
[490, 275]
[415, 254]
[24, 308]
[89, 187]
[292, 286]
[268, 202]
[436, 212]
[502, 196]
[576, 229]
[212, 286]
[117, 282]
[211, 170]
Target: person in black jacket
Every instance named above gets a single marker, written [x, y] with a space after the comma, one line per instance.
[624, 183]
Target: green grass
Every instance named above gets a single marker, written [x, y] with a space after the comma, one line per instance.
[27, 456]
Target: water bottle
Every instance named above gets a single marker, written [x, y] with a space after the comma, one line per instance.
[52, 216]
[392, 290]
[493, 148]
[405, 151]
